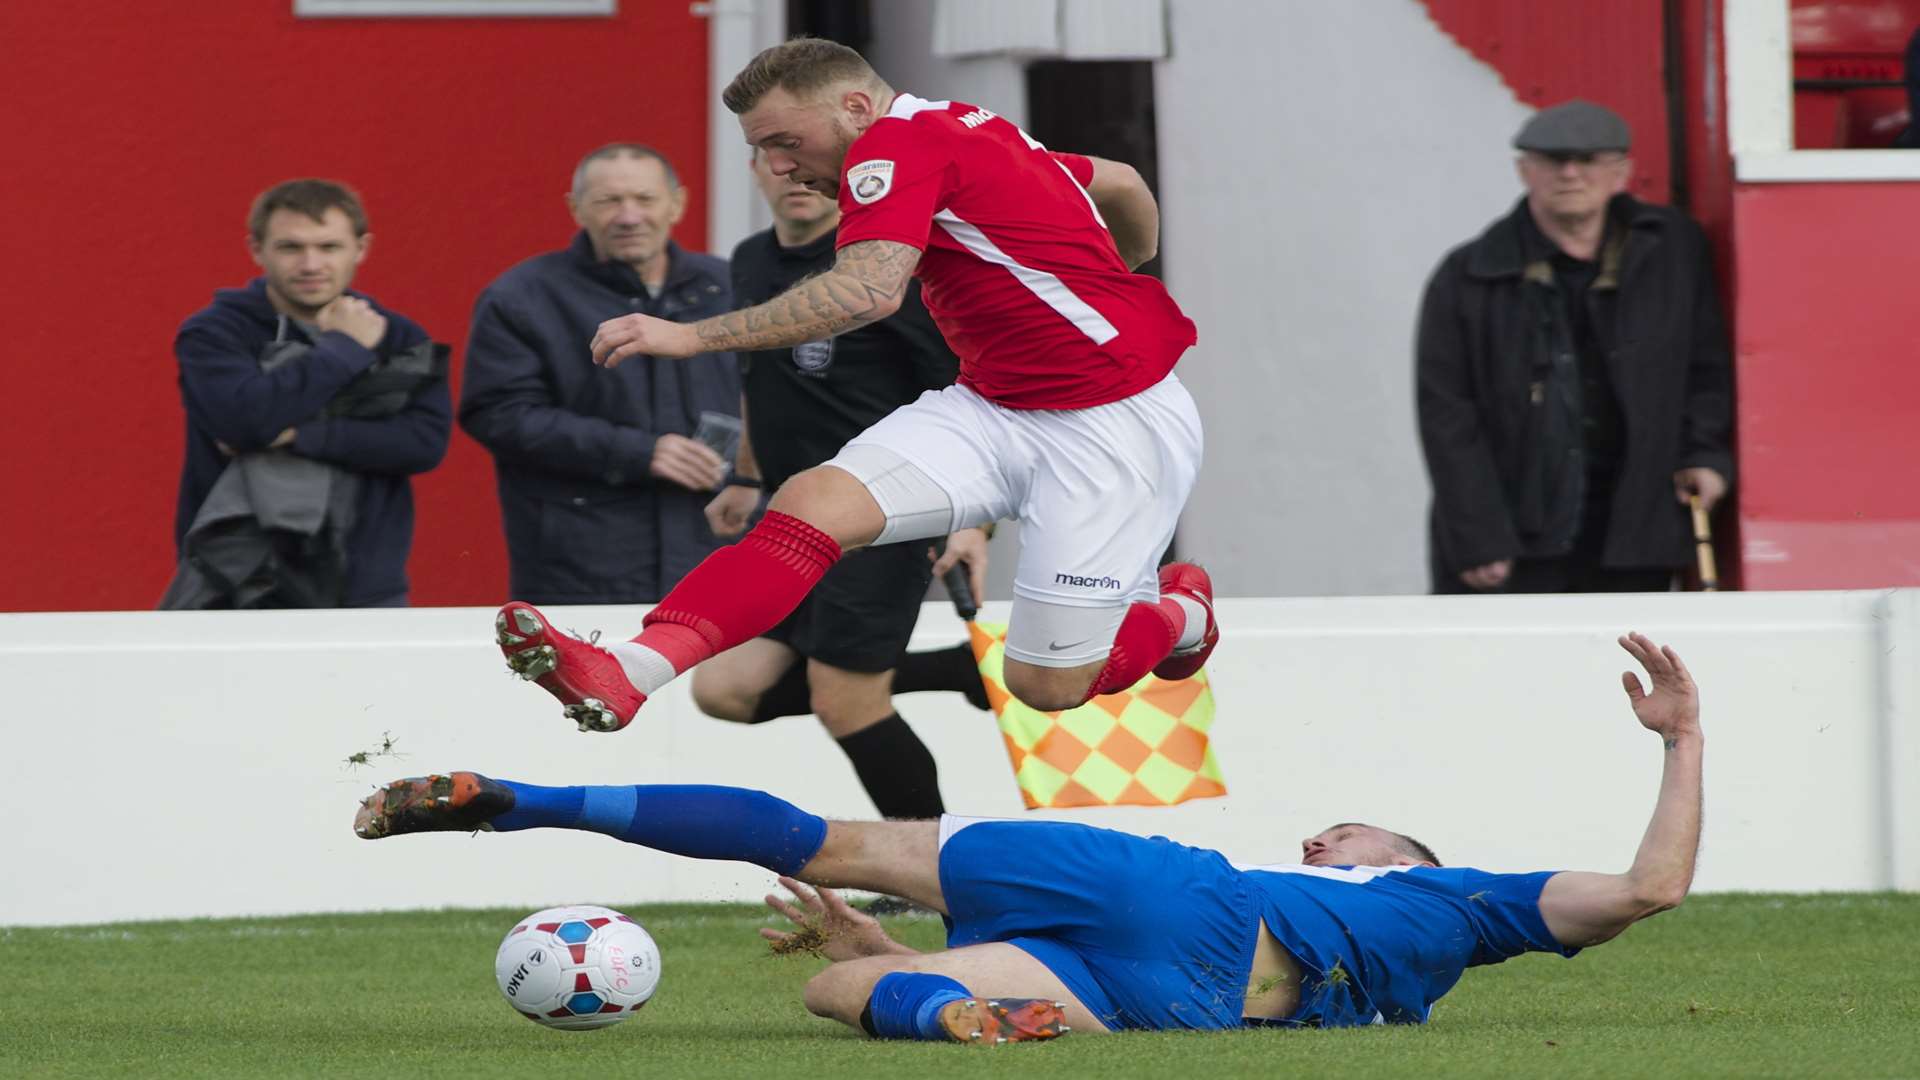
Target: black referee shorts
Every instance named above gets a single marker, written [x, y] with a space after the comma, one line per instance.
[862, 613]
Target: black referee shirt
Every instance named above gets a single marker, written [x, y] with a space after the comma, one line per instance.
[805, 403]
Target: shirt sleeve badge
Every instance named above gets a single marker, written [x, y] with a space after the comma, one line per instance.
[870, 181]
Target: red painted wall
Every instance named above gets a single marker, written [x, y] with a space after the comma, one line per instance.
[1862, 42]
[1607, 51]
[134, 137]
[1828, 384]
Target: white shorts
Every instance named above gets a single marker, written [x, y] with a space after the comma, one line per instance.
[1097, 492]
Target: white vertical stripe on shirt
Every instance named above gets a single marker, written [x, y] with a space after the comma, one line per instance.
[1051, 290]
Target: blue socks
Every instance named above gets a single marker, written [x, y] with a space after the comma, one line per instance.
[907, 1004]
[695, 820]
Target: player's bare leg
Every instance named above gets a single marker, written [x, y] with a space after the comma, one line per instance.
[1012, 997]
[834, 501]
[729, 686]
[735, 595]
[885, 988]
[848, 702]
[900, 858]
[1051, 688]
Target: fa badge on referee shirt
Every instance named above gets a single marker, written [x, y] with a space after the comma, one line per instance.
[813, 357]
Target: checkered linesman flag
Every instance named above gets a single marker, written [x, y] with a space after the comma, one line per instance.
[1144, 746]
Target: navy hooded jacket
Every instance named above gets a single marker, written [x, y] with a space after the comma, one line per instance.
[586, 522]
[230, 400]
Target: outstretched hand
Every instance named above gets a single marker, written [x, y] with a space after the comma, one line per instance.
[1672, 708]
[642, 335]
[829, 925]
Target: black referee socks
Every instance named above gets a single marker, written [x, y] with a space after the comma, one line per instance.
[896, 768]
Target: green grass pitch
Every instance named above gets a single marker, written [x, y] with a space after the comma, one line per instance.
[1730, 986]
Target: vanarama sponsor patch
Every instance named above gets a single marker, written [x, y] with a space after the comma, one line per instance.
[870, 181]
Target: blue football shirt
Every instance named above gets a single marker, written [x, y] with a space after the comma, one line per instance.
[1381, 944]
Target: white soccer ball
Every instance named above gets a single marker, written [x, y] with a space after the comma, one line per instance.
[577, 967]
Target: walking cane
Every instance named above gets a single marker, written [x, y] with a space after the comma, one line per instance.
[1703, 546]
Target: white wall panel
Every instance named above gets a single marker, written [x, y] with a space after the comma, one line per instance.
[1316, 161]
[171, 765]
[903, 52]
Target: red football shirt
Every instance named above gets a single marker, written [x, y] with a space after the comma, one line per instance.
[1017, 269]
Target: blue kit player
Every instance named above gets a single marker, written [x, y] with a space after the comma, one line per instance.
[1055, 926]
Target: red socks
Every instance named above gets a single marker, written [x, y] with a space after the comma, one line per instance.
[1145, 638]
[741, 591]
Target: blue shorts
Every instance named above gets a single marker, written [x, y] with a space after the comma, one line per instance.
[1147, 933]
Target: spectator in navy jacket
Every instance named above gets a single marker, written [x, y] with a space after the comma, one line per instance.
[602, 486]
[295, 365]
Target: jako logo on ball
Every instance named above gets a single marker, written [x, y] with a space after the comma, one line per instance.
[535, 958]
[577, 968]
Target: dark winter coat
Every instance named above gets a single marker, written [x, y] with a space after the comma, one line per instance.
[1498, 393]
[230, 398]
[571, 442]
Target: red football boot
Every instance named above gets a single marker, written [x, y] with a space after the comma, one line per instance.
[587, 679]
[1188, 580]
[990, 1023]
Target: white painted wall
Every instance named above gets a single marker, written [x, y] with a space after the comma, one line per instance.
[1305, 197]
[736, 32]
[902, 52]
[161, 765]
[1316, 161]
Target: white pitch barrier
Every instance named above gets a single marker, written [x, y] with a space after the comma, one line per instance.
[169, 765]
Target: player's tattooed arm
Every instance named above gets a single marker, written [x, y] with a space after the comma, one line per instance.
[866, 284]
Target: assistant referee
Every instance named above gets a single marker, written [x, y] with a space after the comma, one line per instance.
[801, 406]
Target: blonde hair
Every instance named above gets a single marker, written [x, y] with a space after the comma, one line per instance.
[800, 67]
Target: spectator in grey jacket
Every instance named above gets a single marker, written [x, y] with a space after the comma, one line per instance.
[602, 486]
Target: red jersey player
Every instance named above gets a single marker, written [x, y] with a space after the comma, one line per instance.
[1066, 416]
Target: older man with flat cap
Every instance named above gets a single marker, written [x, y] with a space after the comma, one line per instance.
[1573, 379]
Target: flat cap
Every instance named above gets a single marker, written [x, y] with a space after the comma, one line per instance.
[1574, 127]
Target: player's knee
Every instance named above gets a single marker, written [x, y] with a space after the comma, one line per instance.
[822, 993]
[840, 992]
[721, 700]
[1048, 689]
[848, 701]
[833, 501]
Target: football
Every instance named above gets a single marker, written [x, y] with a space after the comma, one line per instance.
[577, 967]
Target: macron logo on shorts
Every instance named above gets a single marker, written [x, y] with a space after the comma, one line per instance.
[1079, 582]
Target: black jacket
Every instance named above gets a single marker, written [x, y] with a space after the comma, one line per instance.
[571, 442]
[1489, 377]
[806, 402]
[230, 399]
